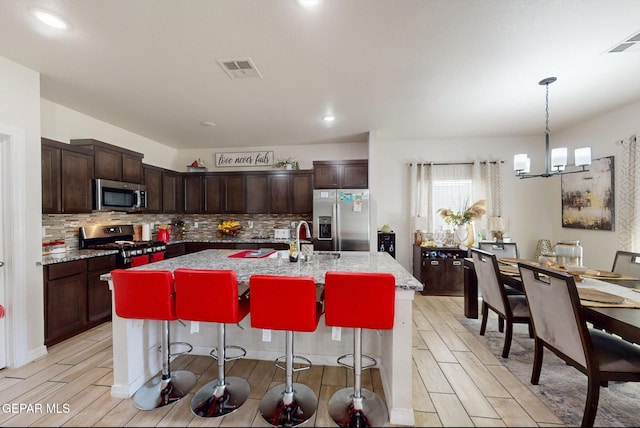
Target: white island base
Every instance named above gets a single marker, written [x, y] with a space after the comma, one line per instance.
[136, 358]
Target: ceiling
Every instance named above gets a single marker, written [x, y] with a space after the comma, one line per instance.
[404, 69]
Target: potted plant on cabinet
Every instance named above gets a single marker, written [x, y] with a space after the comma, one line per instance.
[287, 163]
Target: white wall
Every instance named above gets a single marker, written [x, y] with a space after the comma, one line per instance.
[601, 134]
[533, 205]
[305, 154]
[20, 110]
[62, 124]
[391, 188]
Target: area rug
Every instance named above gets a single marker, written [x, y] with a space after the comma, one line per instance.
[562, 388]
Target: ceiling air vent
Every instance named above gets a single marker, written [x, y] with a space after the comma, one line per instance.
[239, 68]
[630, 44]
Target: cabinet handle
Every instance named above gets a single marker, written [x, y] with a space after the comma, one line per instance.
[457, 262]
[435, 262]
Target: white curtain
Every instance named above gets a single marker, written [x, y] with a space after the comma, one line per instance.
[486, 180]
[628, 212]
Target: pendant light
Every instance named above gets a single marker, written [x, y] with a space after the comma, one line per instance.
[555, 160]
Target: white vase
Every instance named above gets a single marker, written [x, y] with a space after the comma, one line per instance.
[462, 235]
[288, 166]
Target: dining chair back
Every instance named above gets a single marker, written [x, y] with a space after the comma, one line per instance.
[500, 249]
[627, 263]
[510, 308]
[559, 325]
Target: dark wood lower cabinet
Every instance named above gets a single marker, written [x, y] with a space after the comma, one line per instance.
[98, 293]
[65, 297]
[75, 299]
[441, 270]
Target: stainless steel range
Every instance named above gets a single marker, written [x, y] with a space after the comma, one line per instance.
[120, 237]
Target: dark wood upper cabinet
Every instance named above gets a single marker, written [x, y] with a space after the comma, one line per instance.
[193, 190]
[131, 168]
[235, 194]
[301, 192]
[348, 174]
[153, 181]
[113, 162]
[280, 194]
[213, 194]
[171, 192]
[67, 172]
[51, 184]
[257, 193]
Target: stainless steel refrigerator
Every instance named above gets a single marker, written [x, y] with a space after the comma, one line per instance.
[341, 219]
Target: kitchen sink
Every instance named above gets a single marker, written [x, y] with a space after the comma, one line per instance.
[325, 255]
[317, 255]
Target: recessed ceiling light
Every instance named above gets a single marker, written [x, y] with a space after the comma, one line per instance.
[308, 3]
[207, 123]
[50, 19]
[329, 118]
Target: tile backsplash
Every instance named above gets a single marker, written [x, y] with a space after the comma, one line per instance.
[197, 226]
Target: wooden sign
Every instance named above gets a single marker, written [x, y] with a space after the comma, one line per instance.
[231, 159]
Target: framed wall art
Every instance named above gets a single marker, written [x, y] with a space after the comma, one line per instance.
[588, 197]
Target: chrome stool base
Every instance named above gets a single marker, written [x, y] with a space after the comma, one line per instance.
[158, 393]
[288, 410]
[369, 411]
[213, 400]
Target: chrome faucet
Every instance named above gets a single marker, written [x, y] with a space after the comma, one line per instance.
[298, 249]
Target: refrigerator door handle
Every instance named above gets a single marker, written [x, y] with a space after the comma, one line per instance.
[336, 226]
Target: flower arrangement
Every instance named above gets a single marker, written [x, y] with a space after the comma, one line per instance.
[467, 215]
[282, 163]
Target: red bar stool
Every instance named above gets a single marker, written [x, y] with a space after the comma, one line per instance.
[286, 303]
[358, 300]
[212, 296]
[150, 295]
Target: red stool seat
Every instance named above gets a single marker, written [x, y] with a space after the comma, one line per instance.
[209, 296]
[286, 303]
[359, 300]
[150, 295]
[212, 296]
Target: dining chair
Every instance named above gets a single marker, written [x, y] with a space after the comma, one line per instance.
[512, 309]
[559, 325]
[500, 249]
[627, 263]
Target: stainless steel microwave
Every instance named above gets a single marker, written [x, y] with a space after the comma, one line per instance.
[109, 195]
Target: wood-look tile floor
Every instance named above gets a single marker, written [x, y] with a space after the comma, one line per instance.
[456, 382]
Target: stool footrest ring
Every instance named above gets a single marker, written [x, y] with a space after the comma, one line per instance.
[241, 353]
[307, 363]
[187, 345]
[367, 361]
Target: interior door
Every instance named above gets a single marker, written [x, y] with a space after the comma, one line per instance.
[3, 335]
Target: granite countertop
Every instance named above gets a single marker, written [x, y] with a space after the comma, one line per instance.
[72, 255]
[232, 240]
[349, 261]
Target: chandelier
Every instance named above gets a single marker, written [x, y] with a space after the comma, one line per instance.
[555, 160]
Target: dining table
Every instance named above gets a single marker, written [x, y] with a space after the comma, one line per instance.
[615, 307]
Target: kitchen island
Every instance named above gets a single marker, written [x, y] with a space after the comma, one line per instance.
[135, 343]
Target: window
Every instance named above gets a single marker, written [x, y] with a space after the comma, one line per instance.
[454, 194]
[454, 186]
